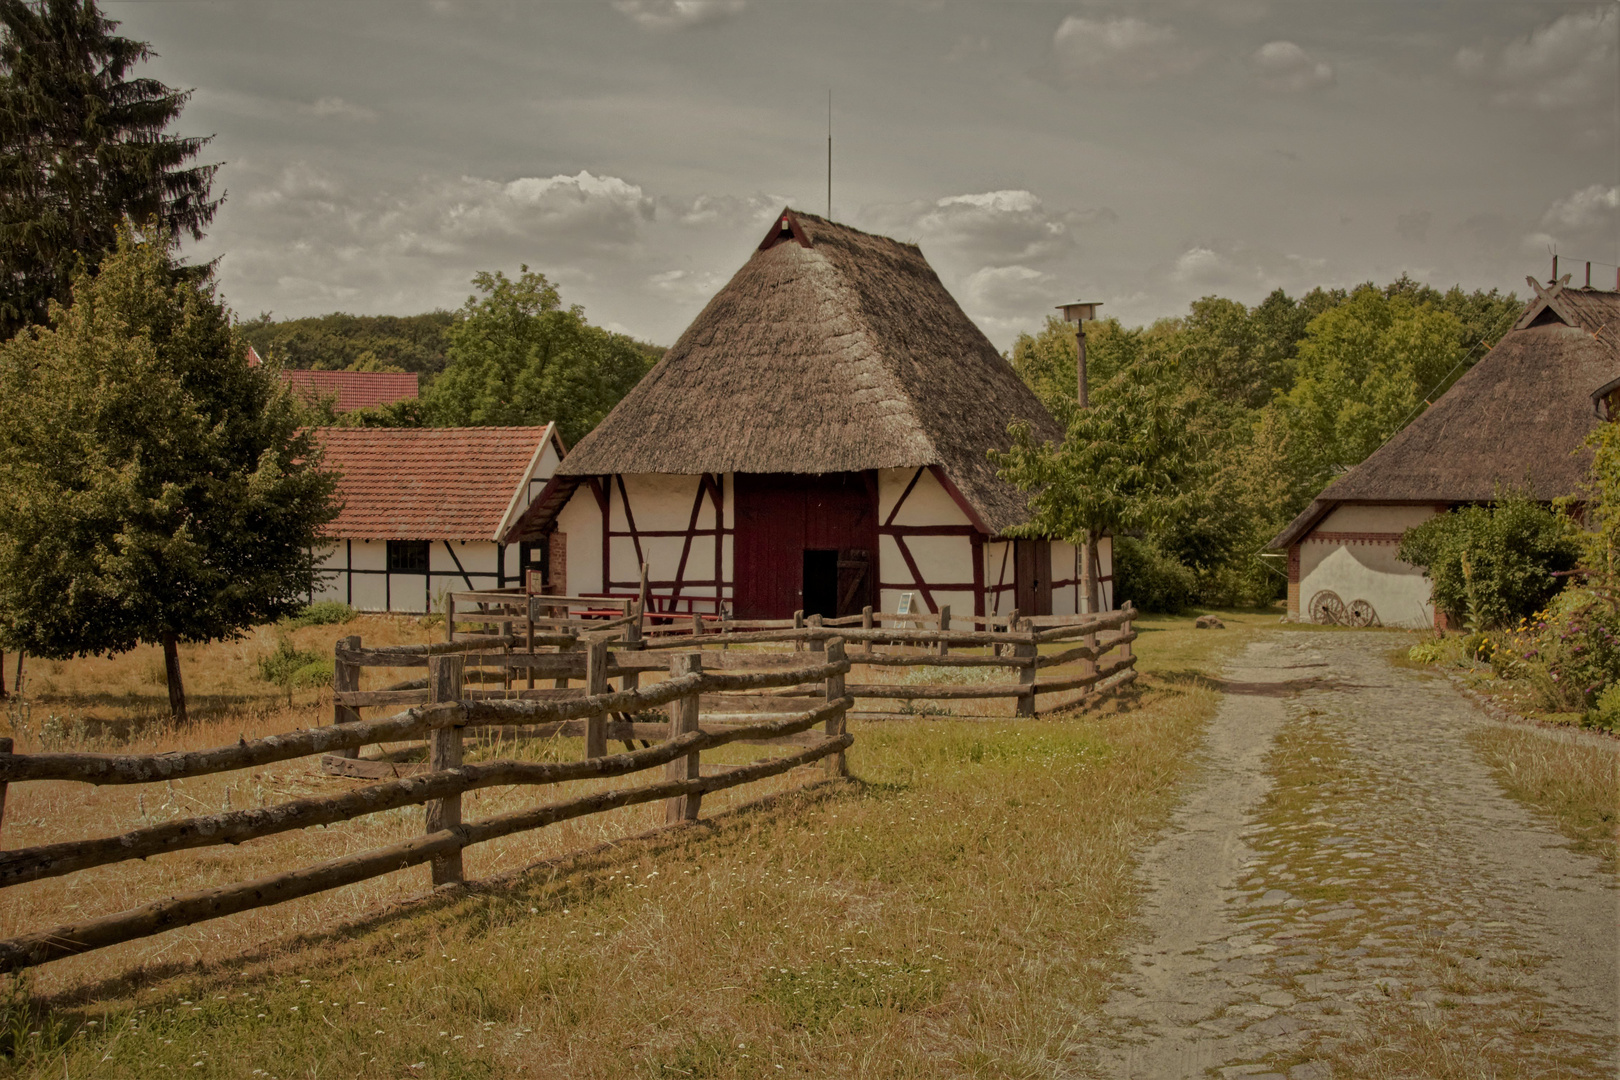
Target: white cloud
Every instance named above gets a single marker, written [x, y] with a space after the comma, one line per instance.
[1007, 226]
[1568, 62]
[1124, 49]
[1285, 67]
[716, 209]
[679, 14]
[1237, 270]
[335, 108]
[1589, 209]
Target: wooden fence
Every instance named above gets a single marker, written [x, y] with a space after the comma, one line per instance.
[738, 711]
[781, 683]
[1084, 655]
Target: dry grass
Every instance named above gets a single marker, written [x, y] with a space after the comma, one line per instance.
[1576, 783]
[950, 911]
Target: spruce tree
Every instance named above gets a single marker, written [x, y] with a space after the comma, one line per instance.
[82, 149]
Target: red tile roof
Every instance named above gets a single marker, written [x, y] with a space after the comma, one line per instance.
[427, 483]
[354, 389]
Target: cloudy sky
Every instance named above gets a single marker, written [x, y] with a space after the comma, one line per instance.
[379, 152]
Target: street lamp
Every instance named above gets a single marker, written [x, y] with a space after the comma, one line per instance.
[1080, 312]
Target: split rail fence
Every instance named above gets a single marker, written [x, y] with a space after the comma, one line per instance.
[780, 683]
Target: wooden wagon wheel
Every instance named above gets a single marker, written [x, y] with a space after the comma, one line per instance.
[1362, 614]
[1328, 610]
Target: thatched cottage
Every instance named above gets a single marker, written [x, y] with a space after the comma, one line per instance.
[1517, 419]
[816, 440]
[424, 510]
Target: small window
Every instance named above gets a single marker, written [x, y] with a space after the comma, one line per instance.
[407, 556]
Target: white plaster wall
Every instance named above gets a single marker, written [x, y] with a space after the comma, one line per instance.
[1065, 567]
[928, 503]
[1398, 591]
[329, 584]
[1381, 519]
[580, 520]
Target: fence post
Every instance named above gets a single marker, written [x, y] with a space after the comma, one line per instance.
[836, 764]
[5, 748]
[866, 624]
[449, 617]
[683, 717]
[798, 624]
[1026, 675]
[944, 626]
[1125, 646]
[596, 683]
[632, 629]
[444, 752]
[345, 676]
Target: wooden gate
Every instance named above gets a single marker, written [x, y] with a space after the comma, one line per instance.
[789, 524]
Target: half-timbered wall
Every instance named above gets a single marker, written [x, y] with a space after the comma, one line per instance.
[680, 526]
[356, 573]
[684, 528]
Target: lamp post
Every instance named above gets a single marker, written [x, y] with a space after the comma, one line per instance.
[1080, 312]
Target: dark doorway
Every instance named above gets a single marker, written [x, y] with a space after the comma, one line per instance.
[1032, 580]
[804, 542]
[821, 582]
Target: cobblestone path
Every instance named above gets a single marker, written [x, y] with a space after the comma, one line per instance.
[1347, 893]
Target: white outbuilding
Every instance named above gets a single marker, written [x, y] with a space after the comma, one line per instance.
[425, 511]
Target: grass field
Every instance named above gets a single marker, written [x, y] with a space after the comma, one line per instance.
[950, 910]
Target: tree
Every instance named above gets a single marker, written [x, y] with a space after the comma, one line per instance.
[1126, 462]
[343, 342]
[82, 150]
[517, 356]
[1363, 370]
[154, 488]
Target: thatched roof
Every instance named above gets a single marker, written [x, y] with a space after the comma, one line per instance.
[831, 350]
[1518, 418]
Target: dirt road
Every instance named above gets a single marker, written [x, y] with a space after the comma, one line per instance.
[1347, 892]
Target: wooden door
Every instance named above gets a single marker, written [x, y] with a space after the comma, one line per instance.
[1032, 576]
[783, 516]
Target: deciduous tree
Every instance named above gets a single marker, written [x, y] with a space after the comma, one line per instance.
[154, 488]
[517, 356]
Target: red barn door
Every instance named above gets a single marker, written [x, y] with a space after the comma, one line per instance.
[804, 542]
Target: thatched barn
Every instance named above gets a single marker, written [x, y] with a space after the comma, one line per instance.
[816, 440]
[424, 510]
[1517, 419]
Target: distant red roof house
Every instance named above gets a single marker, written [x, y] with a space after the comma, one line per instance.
[423, 511]
[436, 483]
[353, 389]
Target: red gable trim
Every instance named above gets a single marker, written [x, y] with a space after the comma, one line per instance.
[786, 223]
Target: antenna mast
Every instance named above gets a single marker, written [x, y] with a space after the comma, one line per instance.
[829, 154]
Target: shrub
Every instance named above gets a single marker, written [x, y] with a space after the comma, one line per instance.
[1150, 579]
[1573, 656]
[294, 669]
[320, 613]
[1493, 565]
